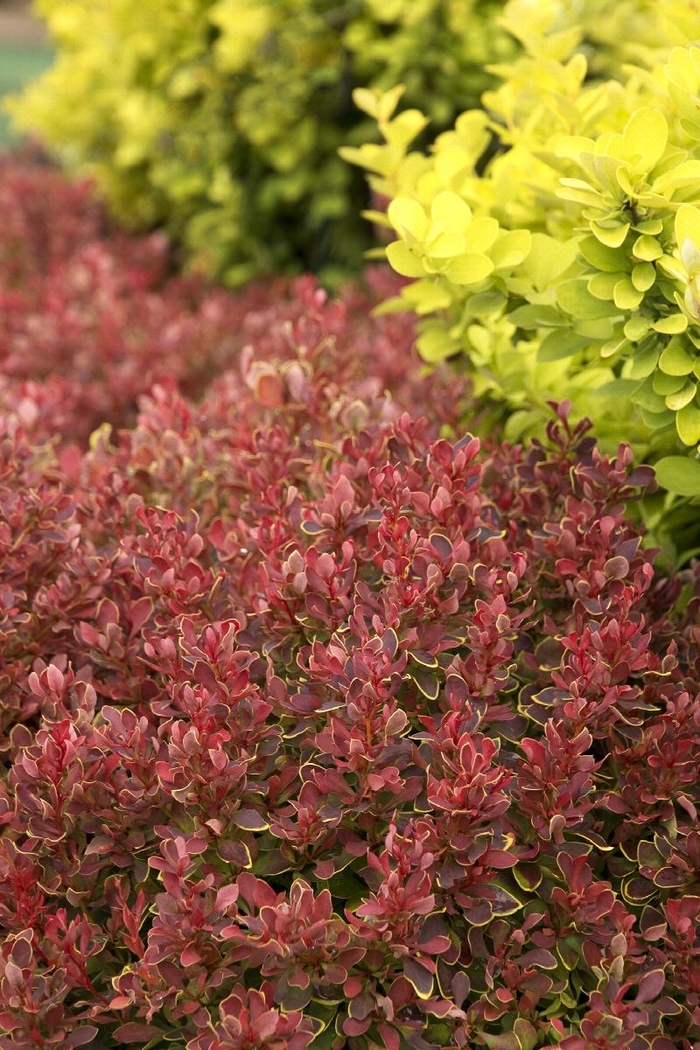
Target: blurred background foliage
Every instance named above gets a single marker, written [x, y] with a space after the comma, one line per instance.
[221, 119]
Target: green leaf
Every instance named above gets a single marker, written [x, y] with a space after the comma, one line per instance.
[504, 1041]
[680, 400]
[600, 329]
[560, 344]
[271, 863]
[679, 474]
[664, 384]
[688, 423]
[676, 361]
[579, 192]
[647, 248]
[510, 248]
[534, 316]
[620, 388]
[345, 885]
[484, 304]
[548, 259]
[674, 324]
[656, 420]
[426, 296]
[602, 285]
[685, 174]
[576, 300]
[612, 235]
[643, 276]
[601, 257]
[435, 344]
[644, 361]
[626, 296]
[652, 227]
[526, 1034]
[636, 328]
[646, 397]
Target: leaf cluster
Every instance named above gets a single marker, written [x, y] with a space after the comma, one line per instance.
[552, 237]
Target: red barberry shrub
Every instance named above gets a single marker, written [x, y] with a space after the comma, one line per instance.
[91, 318]
[318, 728]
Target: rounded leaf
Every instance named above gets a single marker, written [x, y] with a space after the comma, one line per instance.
[674, 324]
[408, 218]
[404, 261]
[687, 229]
[450, 212]
[676, 361]
[679, 474]
[469, 269]
[688, 423]
[645, 137]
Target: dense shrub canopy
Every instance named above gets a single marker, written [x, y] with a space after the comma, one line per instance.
[318, 725]
[91, 318]
[221, 119]
[553, 235]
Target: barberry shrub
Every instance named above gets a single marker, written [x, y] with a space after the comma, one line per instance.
[553, 235]
[221, 119]
[91, 318]
[320, 729]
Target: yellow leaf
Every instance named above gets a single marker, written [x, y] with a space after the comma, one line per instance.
[366, 100]
[402, 259]
[469, 269]
[445, 246]
[613, 236]
[482, 233]
[687, 226]
[408, 219]
[450, 212]
[404, 128]
[677, 402]
[548, 259]
[510, 248]
[645, 137]
[626, 296]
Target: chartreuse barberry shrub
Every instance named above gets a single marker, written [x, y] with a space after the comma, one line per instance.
[553, 236]
[319, 729]
[220, 119]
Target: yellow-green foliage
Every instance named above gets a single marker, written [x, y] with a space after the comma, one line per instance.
[553, 236]
[221, 119]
